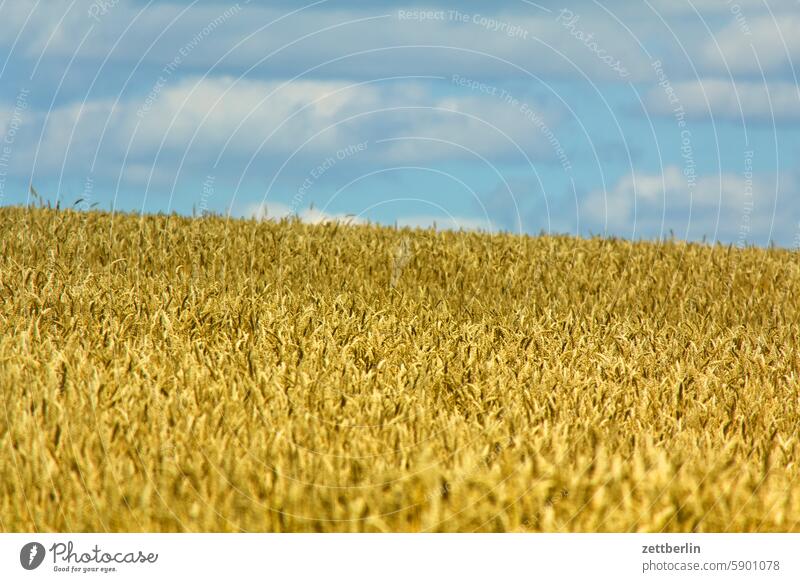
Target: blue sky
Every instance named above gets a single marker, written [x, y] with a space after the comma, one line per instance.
[633, 119]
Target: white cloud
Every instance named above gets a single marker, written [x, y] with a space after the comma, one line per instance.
[774, 40]
[197, 117]
[312, 37]
[714, 7]
[723, 99]
[248, 112]
[728, 207]
[446, 222]
[306, 40]
[279, 211]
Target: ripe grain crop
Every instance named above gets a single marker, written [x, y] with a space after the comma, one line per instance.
[164, 373]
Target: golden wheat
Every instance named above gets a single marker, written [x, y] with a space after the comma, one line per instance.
[175, 374]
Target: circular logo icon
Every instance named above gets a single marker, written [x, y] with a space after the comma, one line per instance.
[31, 555]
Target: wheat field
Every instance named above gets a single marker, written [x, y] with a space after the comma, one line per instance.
[169, 374]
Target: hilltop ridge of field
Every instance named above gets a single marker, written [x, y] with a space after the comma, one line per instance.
[163, 373]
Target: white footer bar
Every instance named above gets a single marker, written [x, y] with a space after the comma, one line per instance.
[400, 557]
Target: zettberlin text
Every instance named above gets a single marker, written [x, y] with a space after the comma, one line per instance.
[671, 549]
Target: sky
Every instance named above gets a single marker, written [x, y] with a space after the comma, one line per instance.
[651, 119]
